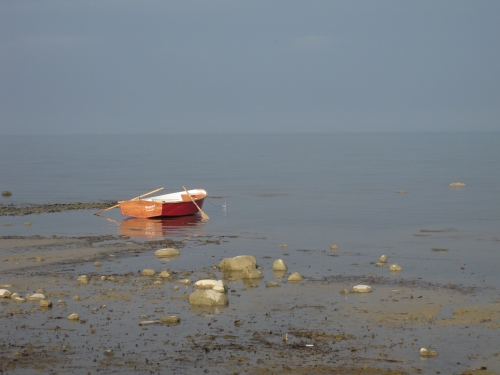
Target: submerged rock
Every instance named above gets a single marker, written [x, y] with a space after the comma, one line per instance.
[295, 277]
[361, 289]
[272, 284]
[238, 263]
[185, 282]
[379, 264]
[251, 272]
[167, 253]
[279, 265]
[208, 297]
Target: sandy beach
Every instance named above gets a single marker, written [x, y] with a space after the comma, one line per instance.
[306, 327]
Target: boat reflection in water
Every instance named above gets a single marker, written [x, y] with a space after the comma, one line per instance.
[180, 226]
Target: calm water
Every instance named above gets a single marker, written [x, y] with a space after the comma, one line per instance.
[308, 191]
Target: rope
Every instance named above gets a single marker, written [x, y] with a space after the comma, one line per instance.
[223, 205]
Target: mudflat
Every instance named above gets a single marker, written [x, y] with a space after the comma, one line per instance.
[301, 327]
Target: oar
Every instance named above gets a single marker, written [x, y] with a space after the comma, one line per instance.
[133, 199]
[204, 216]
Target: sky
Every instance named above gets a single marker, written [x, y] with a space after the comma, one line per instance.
[229, 66]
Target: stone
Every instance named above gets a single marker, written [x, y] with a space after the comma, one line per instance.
[361, 289]
[344, 291]
[428, 353]
[6, 193]
[148, 272]
[4, 293]
[251, 272]
[238, 263]
[76, 298]
[208, 297]
[148, 322]
[220, 286]
[383, 259]
[279, 265]
[185, 282]
[170, 319]
[97, 264]
[272, 284]
[35, 297]
[83, 279]
[164, 274]
[395, 267]
[295, 277]
[379, 264]
[45, 303]
[167, 252]
[334, 247]
[74, 316]
[27, 223]
[455, 184]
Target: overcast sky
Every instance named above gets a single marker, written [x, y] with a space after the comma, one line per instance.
[220, 66]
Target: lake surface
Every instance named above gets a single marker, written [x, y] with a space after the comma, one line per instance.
[307, 191]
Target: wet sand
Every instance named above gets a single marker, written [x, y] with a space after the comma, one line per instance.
[327, 332]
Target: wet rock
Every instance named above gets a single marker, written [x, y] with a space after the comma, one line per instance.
[35, 297]
[185, 282]
[76, 298]
[19, 299]
[238, 263]
[361, 289]
[74, 316]
[38, 259]
[395, 267]
[158, 282]
[217, 285]
[379, 264]
[164, 274]
[60, 303]
[102, 278]
[167, 253]
[283, 245]
[456, 184]
[175, 288]
[83, 279]
[251, 272]
[45, 303]
[4, 293]
[383, 259]
[109, 352]
[334, 247]
[295, 277]
[27, 223]
[279, 265]
[170, 319]
[428, 353]
[148, 272]
[112, 278]
[272, 284]
[97, 264]
[344, 291]
[208, 297]
[6, 193]
[148, 322]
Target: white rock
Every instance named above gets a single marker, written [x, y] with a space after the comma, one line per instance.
[82, 279]
[204, 284]
[251, 272]
[148, 272]
[428, 353]
[220, 286]
[279, 265]
[185, 282]
[164, 274]
[148, 322]
[361, 289]
[383, 259]
[45, 303]
[4, 293]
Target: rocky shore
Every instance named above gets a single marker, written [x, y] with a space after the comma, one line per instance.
[267, 322]
[37, 209]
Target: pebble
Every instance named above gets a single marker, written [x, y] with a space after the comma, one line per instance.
[148, 272]
[38, 259]
[76, 298]
[175, 288]
[344, 291]
[428, 353]
[103, 278]
[334, 247]
[272, 284]
[295, 277]
[283, 245]
[148, 322]
[83, 279]
[361, 289]
[27, 223]
[395, 267]
[279, 265]
[164, 274]
[35, 297]
[74, 316]
[6, 193]
[379, 264]
[185, 282]
[383, 259]
[97, 264]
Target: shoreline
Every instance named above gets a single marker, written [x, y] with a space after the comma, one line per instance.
[373, 333]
